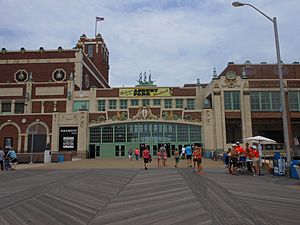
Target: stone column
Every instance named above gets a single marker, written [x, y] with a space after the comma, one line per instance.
[208, 129]
[55, 132]
[246, 115]
[83, 122]
[219, 121]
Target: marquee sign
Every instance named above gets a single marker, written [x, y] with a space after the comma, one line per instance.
[153, 92]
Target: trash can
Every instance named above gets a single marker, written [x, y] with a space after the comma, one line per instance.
[61, 158]
[295, 169]
[47, 156]
[278, 164]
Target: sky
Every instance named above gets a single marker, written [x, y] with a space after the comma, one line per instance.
[177, 41]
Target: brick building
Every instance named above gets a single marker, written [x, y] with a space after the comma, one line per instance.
[62, 98]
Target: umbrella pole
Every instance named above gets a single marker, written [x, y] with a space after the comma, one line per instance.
[260, 172]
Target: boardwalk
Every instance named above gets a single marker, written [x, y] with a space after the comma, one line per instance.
[104, 194]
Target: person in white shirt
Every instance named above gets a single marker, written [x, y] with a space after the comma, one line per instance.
[182, 155]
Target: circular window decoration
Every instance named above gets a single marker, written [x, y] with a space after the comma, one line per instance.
[21, 76]
[87, 81]
[59, 75]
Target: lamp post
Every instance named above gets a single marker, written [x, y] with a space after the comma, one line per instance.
[281, 84]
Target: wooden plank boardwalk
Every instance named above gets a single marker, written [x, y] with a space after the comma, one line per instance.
[136, 196]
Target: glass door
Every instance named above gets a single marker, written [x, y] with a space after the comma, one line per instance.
[120, 151]
[98, 151]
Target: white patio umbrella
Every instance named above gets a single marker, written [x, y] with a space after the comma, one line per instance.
[260, 140]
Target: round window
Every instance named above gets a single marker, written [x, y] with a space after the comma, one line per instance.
[59, 74]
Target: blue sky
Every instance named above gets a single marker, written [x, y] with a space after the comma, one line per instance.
[178, 40]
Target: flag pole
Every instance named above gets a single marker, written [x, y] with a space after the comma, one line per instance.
[96, 26]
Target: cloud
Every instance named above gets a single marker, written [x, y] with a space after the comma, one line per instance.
[178, 40]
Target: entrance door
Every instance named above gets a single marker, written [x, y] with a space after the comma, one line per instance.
[98, 151]
[92, 151]
[37, 137]
[119, 150]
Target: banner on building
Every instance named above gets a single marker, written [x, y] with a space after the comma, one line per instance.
[153, 92]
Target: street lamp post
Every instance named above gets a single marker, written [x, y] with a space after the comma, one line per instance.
[281, 84]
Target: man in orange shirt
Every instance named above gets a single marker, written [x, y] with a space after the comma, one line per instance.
[239, 149]
[241, 153]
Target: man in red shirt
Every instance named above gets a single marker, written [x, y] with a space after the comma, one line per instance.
[255, 157]
[239, 149]
[137, 153]
[146, 157]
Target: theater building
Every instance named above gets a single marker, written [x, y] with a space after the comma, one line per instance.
[61, 99]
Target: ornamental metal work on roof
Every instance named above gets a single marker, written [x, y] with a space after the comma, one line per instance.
[143, 79]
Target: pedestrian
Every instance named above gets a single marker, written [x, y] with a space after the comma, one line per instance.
[248, 158]
[198, 154]
[233, 160]
[2, 154]
[176, 154]
[11, 154]
[194, 160]
[165, 157]
[226, 157]
[188, 155]
[182, 155]
[163, 152]
[255, 160]
[137, 153]
[130, 153]
[158, 159]
[146, 157]
[241, 160]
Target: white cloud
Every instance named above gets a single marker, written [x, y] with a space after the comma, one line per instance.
[179, 41]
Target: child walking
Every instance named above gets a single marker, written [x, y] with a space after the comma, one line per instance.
[176, 154]
[165, 157]
[158, 158]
